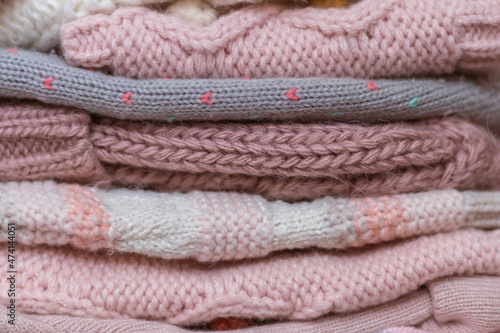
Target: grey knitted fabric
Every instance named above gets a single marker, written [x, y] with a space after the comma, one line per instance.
[47, 78]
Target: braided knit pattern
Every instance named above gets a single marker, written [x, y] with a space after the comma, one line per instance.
[298, 150]
[23, 74]
[223, 226]
[341, 158]
[377, 38]
[34, 24]
[58, 280]
[473, 301]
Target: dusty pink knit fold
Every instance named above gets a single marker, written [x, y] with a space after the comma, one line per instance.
[376, 38]
[278, 161]
[37, 141]
[302, 285]
[471, 305]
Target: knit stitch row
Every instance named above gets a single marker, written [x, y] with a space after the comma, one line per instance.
[472, 302]
[34, 24]
[26, 74]
[43, 142]
[376, 38]
[224, 226]
[305, 285]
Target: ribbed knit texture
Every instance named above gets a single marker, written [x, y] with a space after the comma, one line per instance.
[462, 299]
[38, 141]
[305, 285]
[376, 38]
[224, 226]
[287, 161]
[47, 78]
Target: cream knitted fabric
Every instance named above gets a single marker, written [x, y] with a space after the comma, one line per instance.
[197, 11]
[223, 226]
[36, 23]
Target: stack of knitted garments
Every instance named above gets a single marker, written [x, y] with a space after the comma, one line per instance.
[191, 166]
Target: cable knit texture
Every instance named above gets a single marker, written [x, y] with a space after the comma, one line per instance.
[223, 226]
[49, 79]
[35, 24]
[305, 285]
[471, 305]
[376, 38]
[279, 161]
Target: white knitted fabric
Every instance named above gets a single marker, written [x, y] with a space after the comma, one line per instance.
[196, 11]
[213, 226]
[36, 23]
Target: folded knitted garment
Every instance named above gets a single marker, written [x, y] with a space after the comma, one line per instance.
[47, 78]
[223, 226]
[456, 304]
[302, 285]
[203, 12]
[36, 24]
[376, 38]
[279, 161]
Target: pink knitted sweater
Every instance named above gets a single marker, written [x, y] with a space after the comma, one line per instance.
[211, 226]
[283, 161]
[375, 38]
[302, 285]
[450, 305]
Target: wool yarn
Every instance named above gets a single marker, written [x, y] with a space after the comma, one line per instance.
[197, 11]
[403, 330]
[35, 24]
[305, 285]
[225, 226]
[472, 302]
[376, 38]
[49, 79]
[279, 161]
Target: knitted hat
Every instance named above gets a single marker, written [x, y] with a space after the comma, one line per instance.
[47, 78]
[305, 285]
[376, 38]
[222, 226]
